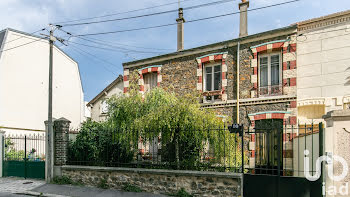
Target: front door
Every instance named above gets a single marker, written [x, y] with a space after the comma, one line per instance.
[268, 146]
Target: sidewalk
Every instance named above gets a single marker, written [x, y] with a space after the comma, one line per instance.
[15, 185]
[81, 191]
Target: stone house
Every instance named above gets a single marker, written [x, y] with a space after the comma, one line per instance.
[98, 105]
[265, 88]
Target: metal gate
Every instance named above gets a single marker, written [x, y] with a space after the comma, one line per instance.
[24, 156]
[276, 162]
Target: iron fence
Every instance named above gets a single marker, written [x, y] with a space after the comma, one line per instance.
[24, 156]
[24, 147]
[281, 149]
[214, 149]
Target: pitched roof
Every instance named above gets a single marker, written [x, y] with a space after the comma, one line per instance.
[218, 45]
[109, 87]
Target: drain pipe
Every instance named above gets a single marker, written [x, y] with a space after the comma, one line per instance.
[238, 61]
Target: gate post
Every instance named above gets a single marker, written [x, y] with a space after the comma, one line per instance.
[337, 141]
[2, 149]
[61, 140]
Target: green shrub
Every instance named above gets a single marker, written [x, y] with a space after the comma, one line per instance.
[180, 121]
[62, 180]
[131, 188]
[182, 193]
[103, 184]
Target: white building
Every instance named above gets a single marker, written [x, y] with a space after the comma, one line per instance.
[323, 59]
[98, 105]
[24, 76]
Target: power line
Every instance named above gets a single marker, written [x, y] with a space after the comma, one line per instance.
[97, 41]
[109, 49]
[151, 14]
[96, 57]
[23, 44]
[32, 34]
[195, 20]
[107, 42]
[103, 16]
[107, 69]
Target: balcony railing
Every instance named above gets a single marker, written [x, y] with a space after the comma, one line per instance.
[271, 90]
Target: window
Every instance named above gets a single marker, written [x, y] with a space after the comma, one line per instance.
[212, 78]
[104, 107]
[150, 81]
[212, 82]
[270, 74]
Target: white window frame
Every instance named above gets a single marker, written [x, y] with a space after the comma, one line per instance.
[104, 107]
[212, 65]
[268, 55]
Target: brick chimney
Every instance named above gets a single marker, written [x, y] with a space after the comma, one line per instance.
[243, 21]
[180, 30]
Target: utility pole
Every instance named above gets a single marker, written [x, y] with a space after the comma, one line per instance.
[49, 135]
[238, 64]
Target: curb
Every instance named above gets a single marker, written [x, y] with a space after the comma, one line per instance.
[31, 193]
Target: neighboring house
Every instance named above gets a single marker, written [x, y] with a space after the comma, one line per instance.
[87, 111]
[98, 105]
[267, 76]
[323, 66]
[323, 59]
[24, 76]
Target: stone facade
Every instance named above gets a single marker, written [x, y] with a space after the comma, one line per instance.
[159, 181]
[184, 75]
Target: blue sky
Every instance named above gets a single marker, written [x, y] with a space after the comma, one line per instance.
[32, 15]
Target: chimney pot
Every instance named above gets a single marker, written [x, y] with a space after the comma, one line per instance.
[180, 30]
[243, 22]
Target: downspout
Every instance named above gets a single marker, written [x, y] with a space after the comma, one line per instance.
[238, 61]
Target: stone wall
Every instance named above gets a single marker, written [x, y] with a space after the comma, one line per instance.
[159, 181]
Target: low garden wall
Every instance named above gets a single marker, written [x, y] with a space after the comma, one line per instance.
[158, 181]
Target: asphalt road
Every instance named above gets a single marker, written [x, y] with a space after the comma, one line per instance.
[3, 194]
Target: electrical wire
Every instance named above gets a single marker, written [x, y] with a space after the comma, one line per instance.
[127, 45]
[26, 35]
[113, 49]
[108, 15]
[151, 14]
[111, 45]
[81, 53]
[23, 45]
[195, 20]
[96, 57]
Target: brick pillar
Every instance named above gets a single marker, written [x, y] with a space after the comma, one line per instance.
[61, 140]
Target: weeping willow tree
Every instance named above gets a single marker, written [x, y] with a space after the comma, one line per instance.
[189, 137]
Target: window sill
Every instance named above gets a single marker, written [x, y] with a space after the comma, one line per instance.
[213, 93]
